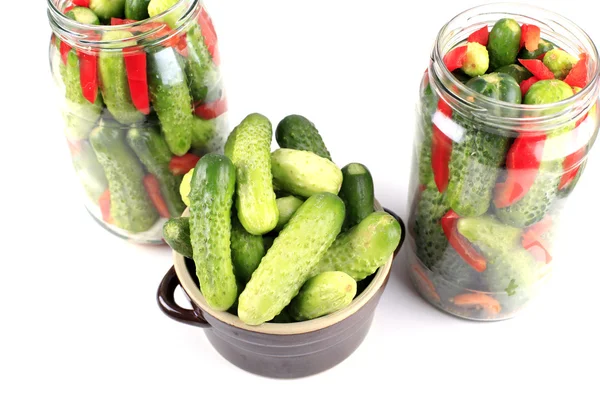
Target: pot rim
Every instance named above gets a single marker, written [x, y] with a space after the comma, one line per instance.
[294, 328]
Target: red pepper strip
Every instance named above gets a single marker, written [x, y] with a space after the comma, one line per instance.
[479, 300]
[81, 3]
[64, 51]
[441, 151]
[526, 84]
[522, 165]
[135, 65]
[455, 58]
[88, 76]
[153, 189]
[578, 76]
[532, 240]
[426, 282]
[462, 246]
[104, 202]
[211, 110]
[209, 34]
[571, 165]
[68, 8]
[120, 21]
[541, 56]
[530, 37]
[480, 36]
[74, 146]
[181, 165]
[537, 68]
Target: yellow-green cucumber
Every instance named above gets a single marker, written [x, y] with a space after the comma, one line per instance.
[358, 193]
[287, 207]
[176, 232]
[107, 9]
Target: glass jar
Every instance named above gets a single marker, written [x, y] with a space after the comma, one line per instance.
[490, 178]
[141, 102]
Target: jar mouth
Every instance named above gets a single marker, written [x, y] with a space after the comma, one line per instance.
[552, 25]
[78, 34]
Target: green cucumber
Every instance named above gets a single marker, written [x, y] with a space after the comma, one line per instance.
[130, 205]
[287, 206]
[203, 133]
[176, 232]
[114, 83]
[171, 99]
[249, 148]
[430, 240]
[80, 115]
[156, 7]
[292, 258]
[322, 295]
[477, 60]
[88, 169]
[304, 173]
[364, 248]
[358, 193]
[504, 43]
[516, 71]
[497, 85]
[491, 236]
[543, 47]
[211, 200]
[199, 67]
[107, 9]
[246, 250]
[297, 132]
[428, 106]
[559, 62]
[83, 15]
[152, 150]
[136, 10]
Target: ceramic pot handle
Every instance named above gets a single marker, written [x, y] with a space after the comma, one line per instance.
[166, 302]
[393, 214]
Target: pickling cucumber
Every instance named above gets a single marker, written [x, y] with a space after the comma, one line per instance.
[176, 232]
[249, 148]
[107, 9]
[152, 150]
[304, 173]
[430, 240]
[113, 80]
[297, 132]
[203, 132]
[357, 192]
[199, 67]
[130, 205]
[364, 248]
[211, 200]
[88, 169]
[504, 43]
[516, 71]
[171, 98]
[287, 206]
[543, 47]
[83, 15]
[136, 10]
[323, 294]
[292, 258]
[156, 7]
[246, 250]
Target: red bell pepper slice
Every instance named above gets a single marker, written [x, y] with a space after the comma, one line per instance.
[526, 84]
[104, 203]
[120, 21]
[478, 300]
[81, 3]
[462, 246]
[571, 166]
[426, 283]
[455, 58]
[64, 51]
[578, 76]
[211, 110]
[88, 76]
[532, 240]
[209, 34]
[530, 37]
[441, 151]
[537, 68]
[522, 165]
[135, 65]
[153, 189]
[68, 8]
[181, 165]
[480, 36]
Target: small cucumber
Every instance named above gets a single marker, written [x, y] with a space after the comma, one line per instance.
[516, 71]
[83, 15]
[323, 294]
[297, 132]
[304, 173]
[107, 9]
[211, 200]
[171, 99]
[364, 248]
[152, 150]
[490, 235]
[504, 43]
[287, 206]
[176, 232]
[130, 205]
[292, 258]
[81, 115]
[358, 193]
[156, 7]
[88, 169]
[246, 250]
[114, 83]
[199, 67]
[203, 132]
[136, 10]
[249, 148]
[542, 49]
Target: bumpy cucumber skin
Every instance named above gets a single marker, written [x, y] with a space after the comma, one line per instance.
[176, 232]
[203, 132]
[430, 240]
[83, 15]
[107, 9]
[364, 248]
[152, 150]
[292, 258]
[323, 294]
[249, 148]
[516, 71]
[211, 200]
[136, 9]
[453, 269]
[246, 250]
[513, 273]
[474, 167]
[497, 85]
[89, 171]
[114, 84]
[504, 43]
[81, 115]
[171, 99]
[130, 206]
[156, 7]
[199, 66]
[304, 173]
[287, 206]
[297, 132]
[428, 105]
[490, 235]
[358, 193]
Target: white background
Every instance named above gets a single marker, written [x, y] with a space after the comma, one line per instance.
[79, 316]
